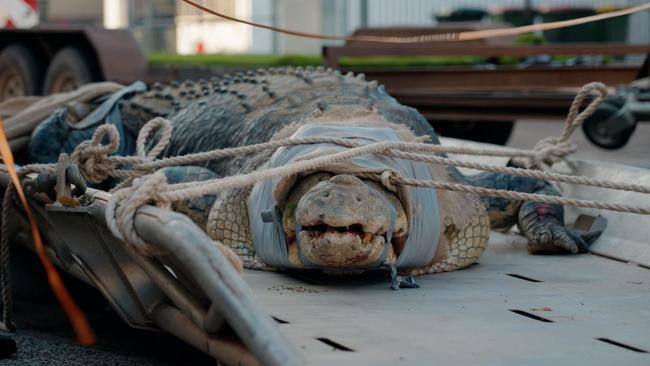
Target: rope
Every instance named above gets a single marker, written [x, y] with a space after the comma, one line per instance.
[153, 188]
[5, 251]
[91, 155]
[77, 318]
[553, 149]
[130, 200]
[155, 124]
[5, 260]
[145, 185]
[439, 37]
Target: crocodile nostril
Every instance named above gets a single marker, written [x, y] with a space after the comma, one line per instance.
[358, 199]
[321, 217]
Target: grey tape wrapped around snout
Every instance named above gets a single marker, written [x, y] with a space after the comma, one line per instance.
[422, 209]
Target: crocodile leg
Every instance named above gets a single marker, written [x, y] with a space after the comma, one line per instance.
[542, 224]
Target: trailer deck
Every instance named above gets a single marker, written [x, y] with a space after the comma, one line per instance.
[512, 308]
[509, 309]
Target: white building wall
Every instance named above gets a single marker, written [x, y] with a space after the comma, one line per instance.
[116, 14]
[303, 15]
[421, 12]
[344, 16]
[263, 41]
[216, 35]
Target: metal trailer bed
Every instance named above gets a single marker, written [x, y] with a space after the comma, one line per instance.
[510, 309]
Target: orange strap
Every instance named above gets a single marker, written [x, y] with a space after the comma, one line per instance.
[84, 333]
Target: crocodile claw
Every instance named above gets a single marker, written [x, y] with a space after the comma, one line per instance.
[553, 238]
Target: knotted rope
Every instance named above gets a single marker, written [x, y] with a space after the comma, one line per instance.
[153, 188]
[91, 155]
[144, 185]
[97, 162]
[140, 193]
[551, 150]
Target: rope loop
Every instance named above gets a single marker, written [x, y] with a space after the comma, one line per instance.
[551, 150]
[387, 178]
[575, 119]
[157, 124]
[92, 156]
[124, 203]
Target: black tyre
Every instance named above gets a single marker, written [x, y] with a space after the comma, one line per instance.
[70, 68]
[493, 132]
[20, 73]
[595, 130]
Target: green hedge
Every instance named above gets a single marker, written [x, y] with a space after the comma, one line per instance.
[234, 60]
[309, 60]
[368, 62]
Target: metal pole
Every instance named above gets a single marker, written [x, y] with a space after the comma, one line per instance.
[364, 13]
[148, 27]
[528, 10]
[43, 11]
[275, 48]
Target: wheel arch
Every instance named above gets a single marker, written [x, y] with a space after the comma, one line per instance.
[105, 50]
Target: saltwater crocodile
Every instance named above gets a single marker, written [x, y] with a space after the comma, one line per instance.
[327, 220]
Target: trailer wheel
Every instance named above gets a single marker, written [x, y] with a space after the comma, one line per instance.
[595, 127]
[492, 132]
[69, 69]
[19, 72]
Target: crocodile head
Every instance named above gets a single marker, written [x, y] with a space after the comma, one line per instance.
[344, 222]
